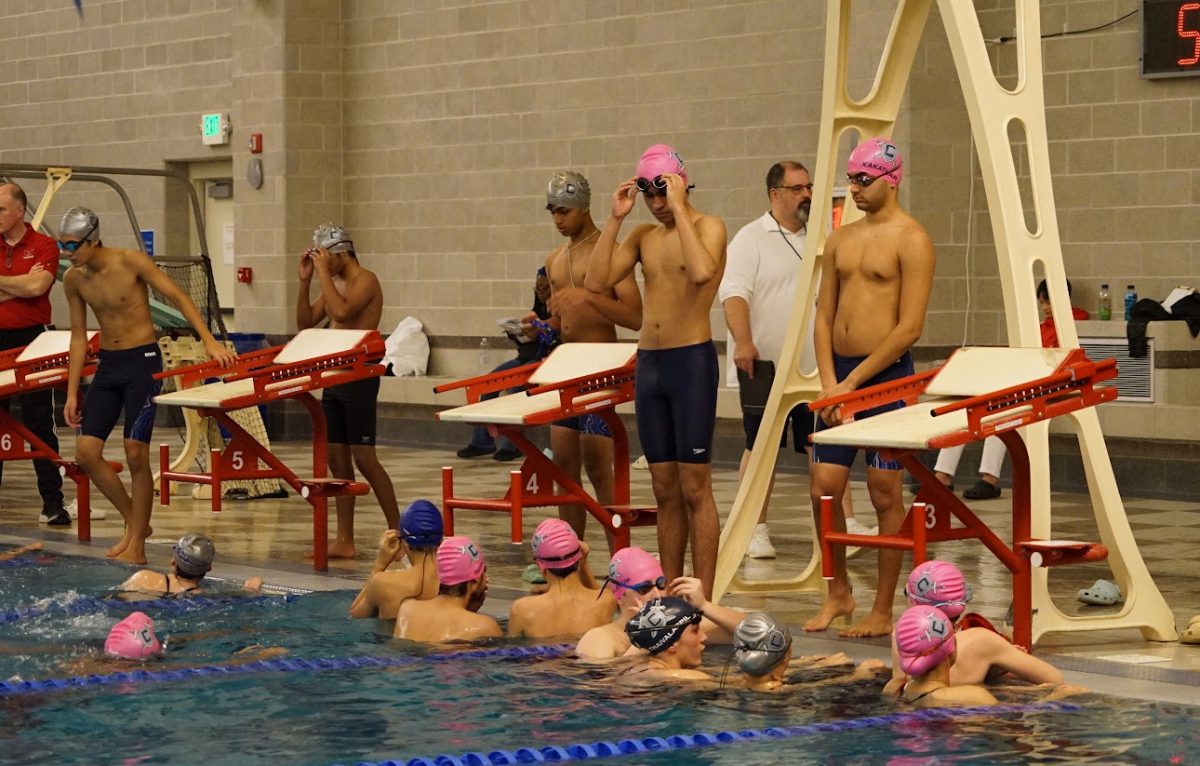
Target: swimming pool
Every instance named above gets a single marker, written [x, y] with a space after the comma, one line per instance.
[403, 708]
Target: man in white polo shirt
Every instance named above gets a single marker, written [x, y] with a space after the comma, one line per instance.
[758, 292]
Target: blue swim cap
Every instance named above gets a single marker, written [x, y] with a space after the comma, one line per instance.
[661, 623]
[421, 525]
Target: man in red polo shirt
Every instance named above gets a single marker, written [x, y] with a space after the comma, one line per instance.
[28, 265]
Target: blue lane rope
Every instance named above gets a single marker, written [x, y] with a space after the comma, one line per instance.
[583, 752]
[19, 561]
[90, 604]
[282, 665]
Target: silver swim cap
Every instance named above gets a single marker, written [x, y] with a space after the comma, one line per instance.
[568, 189]
[79, 222]
[333, 238]
[760, 643]
[194, 555]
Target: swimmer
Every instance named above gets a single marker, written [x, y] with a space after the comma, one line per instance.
[418, 539]
[924, 638]
[579, 315]
[682, 259]
[18, 552]
[191, 559]
[762, 649]
[572, 603]
[983, 654]
[634, 577]
[451, 615]
[133, 642]
[114, 284]
[668, 630]
[875, 285]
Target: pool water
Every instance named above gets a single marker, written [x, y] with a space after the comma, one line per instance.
[439, 705]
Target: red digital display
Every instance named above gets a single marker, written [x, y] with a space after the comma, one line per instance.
[1170, 38]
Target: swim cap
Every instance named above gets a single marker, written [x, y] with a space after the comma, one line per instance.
[555, 545]
[459, 561]
[79, 222]
[660, 623]
[333, 238]
[924, 638]
[421, 524]
[194, 555]
[568, 189]
[877, 157]
[631, 568]
[760, 642]
[940, 584]
[133, 638]
[659, 159]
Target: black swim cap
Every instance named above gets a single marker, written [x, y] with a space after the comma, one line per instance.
[661, 623]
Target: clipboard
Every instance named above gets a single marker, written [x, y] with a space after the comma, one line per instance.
[755, 391]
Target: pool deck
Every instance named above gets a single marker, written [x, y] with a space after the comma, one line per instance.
[270, 537]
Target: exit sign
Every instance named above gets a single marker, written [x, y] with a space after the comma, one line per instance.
[1170, 38]
[214, 128]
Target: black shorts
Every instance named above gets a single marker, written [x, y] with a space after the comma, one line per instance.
[800, 418]
[350, 411]
[676, 401]
[124, 381]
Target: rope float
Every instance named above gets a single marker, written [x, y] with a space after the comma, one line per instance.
[176, 605]
[582, 752]
[282, 665]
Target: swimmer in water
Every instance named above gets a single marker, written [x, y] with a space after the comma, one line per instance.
[451, 615]
[634, 577]
[572, 603]
[762, 649]
[417, 540]
[668, 630]
[18, 552]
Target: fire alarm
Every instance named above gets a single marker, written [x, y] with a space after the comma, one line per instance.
[245, 275]
[255, 143]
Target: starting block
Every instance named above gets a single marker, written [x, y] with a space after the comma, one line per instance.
[979, 392]
[314, 359]
[576, 379]
[41, 365]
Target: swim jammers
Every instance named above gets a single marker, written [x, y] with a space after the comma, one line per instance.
[350, 412]
[833, 453]
[124, 381]
[586, 425]
[676, 401]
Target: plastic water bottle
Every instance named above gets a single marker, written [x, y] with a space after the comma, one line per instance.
[1130, 299]
[1105, 309]
[485, 356]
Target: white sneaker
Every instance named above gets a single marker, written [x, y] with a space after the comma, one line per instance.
[856, 527]
[641, 464]
[96, 514]
[760, 544]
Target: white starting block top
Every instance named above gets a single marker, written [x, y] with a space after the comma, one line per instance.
[308, 344]
[969, 372]
[49, 344]
[567, 362]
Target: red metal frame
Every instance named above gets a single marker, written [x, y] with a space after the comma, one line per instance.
[1073, 386]
[14, 435]
[533, 484]
[240, 458]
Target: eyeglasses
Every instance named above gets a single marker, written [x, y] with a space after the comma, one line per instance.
[862, 180]
[796, 188]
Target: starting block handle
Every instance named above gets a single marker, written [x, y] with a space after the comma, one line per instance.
[603, 379]
[852, 402]
[1053, 553]
[491, 381]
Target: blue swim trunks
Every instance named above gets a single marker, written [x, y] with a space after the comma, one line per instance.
[676, 402]
[839, 455]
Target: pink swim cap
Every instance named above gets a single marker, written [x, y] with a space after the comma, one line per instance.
[631, 568]
[459, 561]
[878, 157]
[659, 159]
[940, 584]
[555, 545]
[924, 638]
[133, 638]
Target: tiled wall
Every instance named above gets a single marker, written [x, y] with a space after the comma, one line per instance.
[430, 127]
